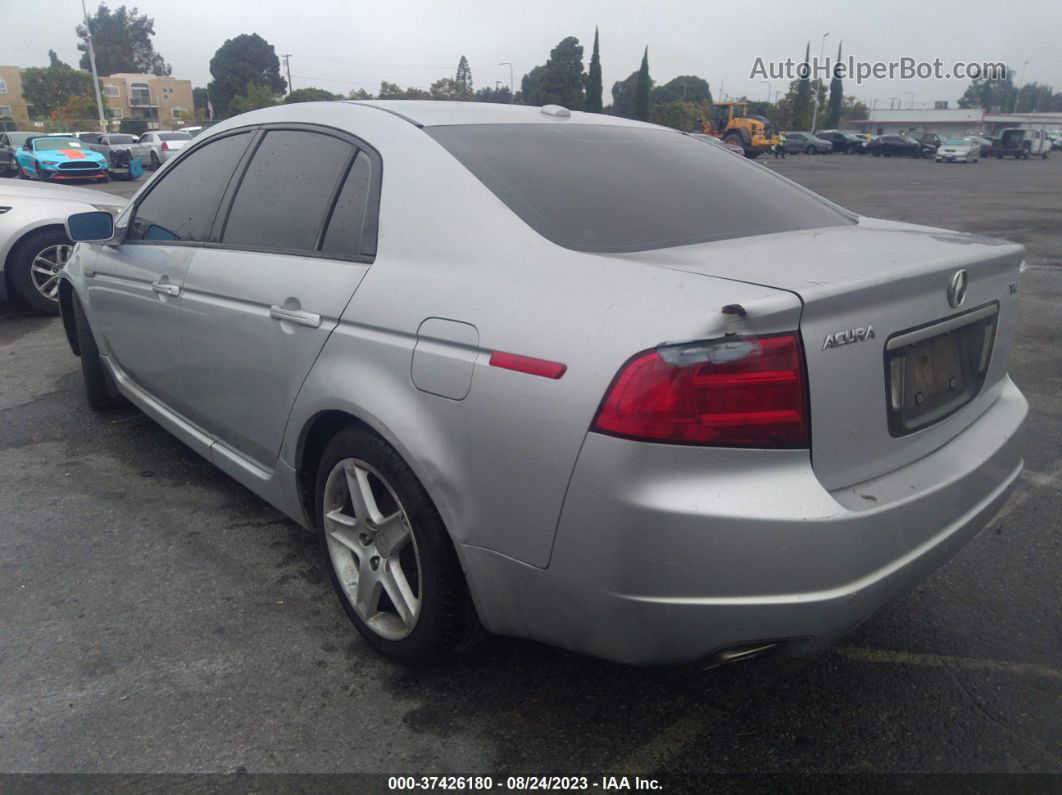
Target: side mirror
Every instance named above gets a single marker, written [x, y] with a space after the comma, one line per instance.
[92, 227]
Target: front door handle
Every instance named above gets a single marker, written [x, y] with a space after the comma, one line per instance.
[295, 316]
[166, 288]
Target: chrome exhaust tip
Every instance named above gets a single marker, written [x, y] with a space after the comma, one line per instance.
[736, 653]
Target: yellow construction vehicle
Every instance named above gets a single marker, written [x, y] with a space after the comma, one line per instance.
[731, 122]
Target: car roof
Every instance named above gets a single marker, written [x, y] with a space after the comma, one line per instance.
[430, 113]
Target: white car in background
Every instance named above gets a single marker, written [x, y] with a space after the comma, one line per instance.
[33, 242]
[959, 150]
[162, 145]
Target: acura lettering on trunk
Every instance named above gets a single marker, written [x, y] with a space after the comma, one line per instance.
[559, 375]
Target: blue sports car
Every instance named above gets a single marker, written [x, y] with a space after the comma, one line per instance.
[59, 157]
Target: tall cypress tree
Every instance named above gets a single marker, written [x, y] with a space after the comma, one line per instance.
[593, 81]
[463, 79]
[641, 89]
[802, 102]
[836, 94]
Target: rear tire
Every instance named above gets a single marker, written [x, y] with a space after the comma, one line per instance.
[155, 162]
[437, 619]
[98, 390]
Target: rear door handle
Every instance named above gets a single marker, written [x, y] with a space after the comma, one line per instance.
[295, 316]
[166, 288]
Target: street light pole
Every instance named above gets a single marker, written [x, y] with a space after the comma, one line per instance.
[506, 63]
[815, 91]
[95, 77]
[1017, 92]
[287, 68]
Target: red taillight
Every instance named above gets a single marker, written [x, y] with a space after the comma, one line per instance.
[165, 147]
[734, 392]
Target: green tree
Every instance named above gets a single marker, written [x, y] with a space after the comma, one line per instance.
[833, 117]
[121, 40]
[463, 80]
[359, 94]
[802, 101]
[310, 95]
[255, 96]
[560, 81]
[531, 86]
[80, 110]
[684, 88]
[247, 58]
[642, 88]
[47, 88]
[54, 62]
[499, 96]
[593, 80]
[395, 91]
[623, 96]
[680, 115]
[446, 89]
[200, 100]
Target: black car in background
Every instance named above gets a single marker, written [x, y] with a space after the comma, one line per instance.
[930, 140]
[842, 141]
[898, 145]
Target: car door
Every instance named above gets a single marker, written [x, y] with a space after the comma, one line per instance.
[295, 242]
[135, 287]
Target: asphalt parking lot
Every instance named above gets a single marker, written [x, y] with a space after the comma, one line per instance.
[156, 616]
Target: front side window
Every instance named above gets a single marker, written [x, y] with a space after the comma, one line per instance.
[604, 188]
[182, 206]
[287, 191]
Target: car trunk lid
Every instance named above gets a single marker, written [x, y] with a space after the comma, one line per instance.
[872, 294]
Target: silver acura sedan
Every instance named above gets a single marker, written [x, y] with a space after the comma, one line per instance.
[559, 375]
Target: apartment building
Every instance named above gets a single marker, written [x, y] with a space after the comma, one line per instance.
[12, 105]
[163, 102]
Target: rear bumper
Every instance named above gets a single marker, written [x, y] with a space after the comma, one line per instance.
[667, 554]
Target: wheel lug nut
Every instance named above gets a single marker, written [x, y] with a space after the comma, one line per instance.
[374, 562]
[364, 539]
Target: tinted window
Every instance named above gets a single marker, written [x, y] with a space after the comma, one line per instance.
[287, 190]
[175, 136]
[347, 231]
[120, 139]
[604, 188]
[182, 206]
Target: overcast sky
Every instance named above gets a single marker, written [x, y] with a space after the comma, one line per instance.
[342, 44]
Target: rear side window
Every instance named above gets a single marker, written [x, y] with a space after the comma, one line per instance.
[183, 205]
[287, 191]
[352, 229]
[602, 188]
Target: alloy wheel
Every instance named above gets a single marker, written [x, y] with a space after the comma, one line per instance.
[46, 267]
[372, 549]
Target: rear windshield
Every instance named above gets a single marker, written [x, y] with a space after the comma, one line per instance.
[120, 139]
[175, 136]
[593, 187]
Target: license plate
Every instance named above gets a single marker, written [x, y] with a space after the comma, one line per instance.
[934, 371]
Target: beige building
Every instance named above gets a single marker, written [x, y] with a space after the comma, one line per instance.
[164, 102]
[12, 105]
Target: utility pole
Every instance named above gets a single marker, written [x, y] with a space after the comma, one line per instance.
[506, 63]
[1017, 91]
[287, 68]
[95, 77]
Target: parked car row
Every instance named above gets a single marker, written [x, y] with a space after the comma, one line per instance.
[82, 155]
[1016, 142]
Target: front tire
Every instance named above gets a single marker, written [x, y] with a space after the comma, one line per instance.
[98, 390]
[35, 264]
[390, 558]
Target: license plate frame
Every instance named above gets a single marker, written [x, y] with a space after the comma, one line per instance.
[934, 370]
